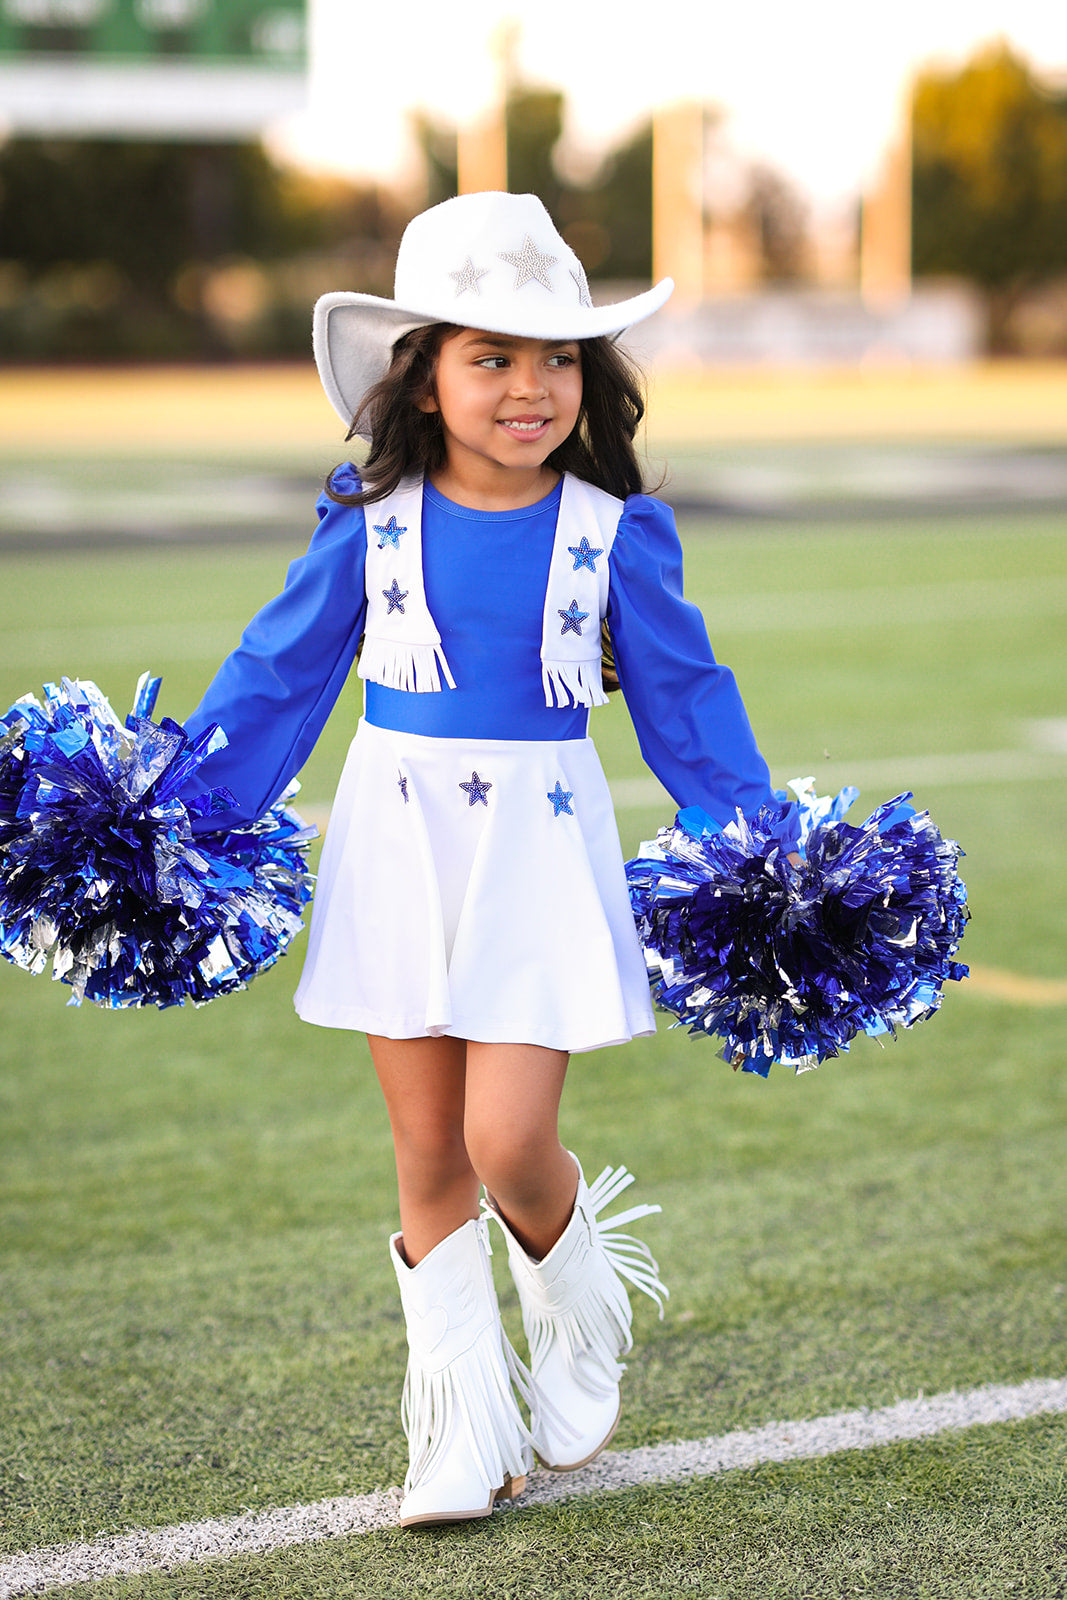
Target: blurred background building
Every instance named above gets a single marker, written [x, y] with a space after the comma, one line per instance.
[142, 215]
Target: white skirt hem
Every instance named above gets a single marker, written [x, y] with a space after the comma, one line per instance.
[474, 889]
[359, 1021]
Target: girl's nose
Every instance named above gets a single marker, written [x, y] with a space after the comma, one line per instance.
[527, 380]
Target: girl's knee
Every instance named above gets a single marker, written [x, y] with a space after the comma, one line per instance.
[512, 1158]
[430, 1160]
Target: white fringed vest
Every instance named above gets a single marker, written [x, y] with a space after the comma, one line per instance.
[402, 646]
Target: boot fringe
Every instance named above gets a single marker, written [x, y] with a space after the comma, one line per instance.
[478, 1395]
[460, 1378]
[595, 1329]
[631, 1258]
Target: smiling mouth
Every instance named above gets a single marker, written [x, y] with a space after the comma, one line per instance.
[524, 424]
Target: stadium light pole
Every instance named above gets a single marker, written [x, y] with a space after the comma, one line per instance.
[885, 229]
[678, 199]
[482, 143]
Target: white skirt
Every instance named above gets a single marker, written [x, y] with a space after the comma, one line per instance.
[474, 888]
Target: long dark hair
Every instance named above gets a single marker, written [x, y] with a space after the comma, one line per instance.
[405, 440]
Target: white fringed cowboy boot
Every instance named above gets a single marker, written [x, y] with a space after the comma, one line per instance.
[468, 1445]
[577, 1317]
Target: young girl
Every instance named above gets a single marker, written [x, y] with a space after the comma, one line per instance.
[472, 915]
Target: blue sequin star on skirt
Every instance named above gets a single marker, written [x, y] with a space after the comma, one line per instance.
[561, 798]
[477, 789]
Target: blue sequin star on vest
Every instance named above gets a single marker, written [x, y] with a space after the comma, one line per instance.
[389, 534]
[573, 619]
[584, 554]
[396, 597]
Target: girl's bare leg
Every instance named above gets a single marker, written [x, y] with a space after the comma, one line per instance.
[467, 1113]
[423, 1081]
[512, 1139]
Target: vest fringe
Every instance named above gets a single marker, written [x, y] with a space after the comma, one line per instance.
[573, 683]
[399, 665]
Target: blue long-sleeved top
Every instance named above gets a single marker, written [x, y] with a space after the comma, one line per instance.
[485, 575]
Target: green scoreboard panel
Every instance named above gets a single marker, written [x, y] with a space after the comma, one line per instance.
[270, 32]
[173, 68]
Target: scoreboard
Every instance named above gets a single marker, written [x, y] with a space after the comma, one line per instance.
[155, 68]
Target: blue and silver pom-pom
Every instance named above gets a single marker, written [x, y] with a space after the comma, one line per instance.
[785, 962]
[99, 868]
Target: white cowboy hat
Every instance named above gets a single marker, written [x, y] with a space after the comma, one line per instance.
[492, 261]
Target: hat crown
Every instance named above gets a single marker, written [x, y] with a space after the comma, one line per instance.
[490, 260]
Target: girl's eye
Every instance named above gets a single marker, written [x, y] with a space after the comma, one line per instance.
[561, 360]
[493, 363]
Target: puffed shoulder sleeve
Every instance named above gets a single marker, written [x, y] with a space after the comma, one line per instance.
[690, 720]
[272, 696]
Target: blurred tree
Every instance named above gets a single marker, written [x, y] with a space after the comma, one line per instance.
[780, 218]
[437, 142]
[148, 222]
[608, 221]
[619, 203]
[534, 123]
[145, 206]
[989, 179]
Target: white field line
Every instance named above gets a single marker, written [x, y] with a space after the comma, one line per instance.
[880, 778]
[912, 605]
[87, 651]
[76, 648]
[218, 1539]
[891, 775]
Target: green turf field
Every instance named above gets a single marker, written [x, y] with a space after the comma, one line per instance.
[198, 1313]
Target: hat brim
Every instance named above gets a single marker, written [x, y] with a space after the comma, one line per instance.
[354, 334]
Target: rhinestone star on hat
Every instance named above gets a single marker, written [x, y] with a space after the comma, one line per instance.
[584, 297]
[529, 263]
[468, 277]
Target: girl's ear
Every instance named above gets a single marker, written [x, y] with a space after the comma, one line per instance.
[427, 402]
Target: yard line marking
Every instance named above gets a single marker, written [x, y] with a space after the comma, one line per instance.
[75, 650]
[1017, 988]
[1047, 733]
[935, 770]
[911, 605]
[892, 773]
[146, 1550]
[966, 600]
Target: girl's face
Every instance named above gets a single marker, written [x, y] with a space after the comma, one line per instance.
[506, 403]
